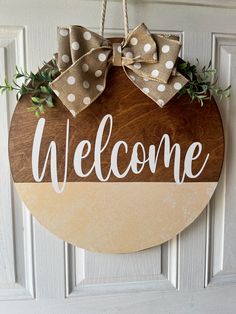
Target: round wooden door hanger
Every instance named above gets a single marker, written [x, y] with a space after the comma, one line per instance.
[122, 176]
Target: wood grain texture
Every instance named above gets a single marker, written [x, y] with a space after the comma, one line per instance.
[86, 212]
[141, 296]
[135, 118]
[116, 217]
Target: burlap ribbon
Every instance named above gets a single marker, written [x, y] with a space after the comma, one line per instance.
[85, 57]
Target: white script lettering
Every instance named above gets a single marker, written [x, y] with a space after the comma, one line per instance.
[135, 165]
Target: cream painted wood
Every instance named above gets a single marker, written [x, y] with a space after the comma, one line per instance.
[193, 273]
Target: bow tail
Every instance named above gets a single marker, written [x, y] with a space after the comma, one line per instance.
[159, 92]
[84, 81]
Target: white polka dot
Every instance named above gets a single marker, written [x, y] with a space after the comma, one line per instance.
[75, 45]
[132, 77]
[155, 73]
[134, 41]
[137, 65]
[98, 73]
[154, 56]
[145, 79]
[147, 47]
[169, 64]
[87, 35]
[100, 88]
[71, 97]
[146, 90]
[177, 86]
[86, 84]
[102, 57]
[64, 32]
[165, 48]
[85, 67]
[65, 58]
[73, 113]
[87, 100]
[119, 49]
[56, 93]
[160, 102]
[129, 54]
[161, 88]
[71, 80]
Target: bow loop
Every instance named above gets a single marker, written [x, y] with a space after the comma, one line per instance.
[161, 69]
[84, 59]
[74, 42]
[140, 45]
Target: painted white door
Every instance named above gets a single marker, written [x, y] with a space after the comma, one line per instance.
[193, 273]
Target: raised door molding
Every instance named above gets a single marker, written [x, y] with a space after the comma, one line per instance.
[209, 3]
[16, 247]
[222, 215]
[205, 3]
[90, 273]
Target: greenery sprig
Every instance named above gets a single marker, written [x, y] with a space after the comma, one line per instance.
[37, 85]
[201, 85]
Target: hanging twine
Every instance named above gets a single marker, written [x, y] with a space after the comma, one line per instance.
[125, 16]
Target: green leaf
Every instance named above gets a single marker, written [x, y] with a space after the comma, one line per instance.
[23, 89]
[32, 76]
[18, 75]
[44, 90]
[37, 113]
[200, 85]
[41, 108]
[227, 89]
[182, 66]
[49, 102]
[32, 108]
[37, 100]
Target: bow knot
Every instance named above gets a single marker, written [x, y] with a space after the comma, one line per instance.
[85, 57]
[116, 54]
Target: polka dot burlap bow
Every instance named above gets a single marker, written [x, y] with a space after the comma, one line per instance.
[85, 57]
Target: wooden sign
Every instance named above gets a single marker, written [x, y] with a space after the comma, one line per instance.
[122, 176]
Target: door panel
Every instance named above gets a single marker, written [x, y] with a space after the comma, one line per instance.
[194, 272]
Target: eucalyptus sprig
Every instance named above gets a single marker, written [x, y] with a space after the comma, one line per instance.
[37, 85]
[202, 84]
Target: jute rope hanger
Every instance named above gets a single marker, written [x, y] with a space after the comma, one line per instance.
[125, 16]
